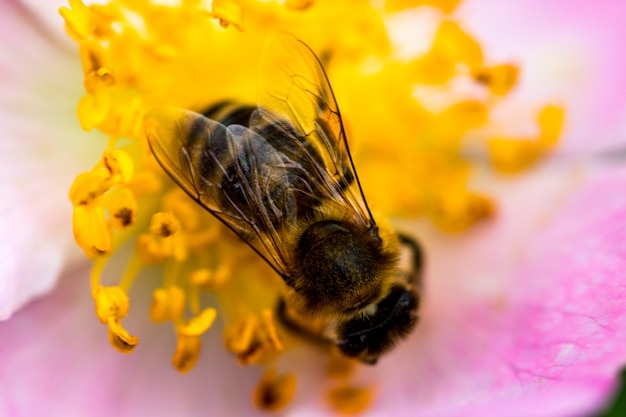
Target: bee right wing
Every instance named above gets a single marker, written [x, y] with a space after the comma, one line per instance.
[232, 172]
[295, 92]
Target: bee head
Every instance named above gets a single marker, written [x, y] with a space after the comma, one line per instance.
[342, 267]
[367, 336]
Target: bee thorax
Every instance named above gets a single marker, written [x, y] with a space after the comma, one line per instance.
[341, 267]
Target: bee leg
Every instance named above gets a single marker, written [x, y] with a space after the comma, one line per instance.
[292, 322]
[415, 275]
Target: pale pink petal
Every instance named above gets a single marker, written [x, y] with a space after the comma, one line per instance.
[569, 52]
[46, 13]
[42, 149]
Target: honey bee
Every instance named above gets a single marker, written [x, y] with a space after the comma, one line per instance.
[281, 176]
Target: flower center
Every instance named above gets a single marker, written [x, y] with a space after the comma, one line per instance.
[137, 55]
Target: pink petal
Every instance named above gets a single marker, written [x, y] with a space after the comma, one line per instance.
[569, 52]
[42, 150]
[56, 361]
[541, 337]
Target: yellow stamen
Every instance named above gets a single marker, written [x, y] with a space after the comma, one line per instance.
[119, 165]
[274, 392]
[239, 336]
[452, 46]
[79, 21]
[167, 304]
[150, 250]
[183, 208]
[199, 324]
[99, 79]
[272, 331]
[252, 340]
[512, 156]
[299, 4]
[350, 400]
[457, 209]
[145, 182]
[93, 109]
[433, 68]
[463, 116]
[340, 367]
[123, 209]
[229, 12]
[110, 302]
[112, 305]
[89, 186]
[164, 241]
[91, 230]
[447, 6]
[201, 277]
[133, 267]
[500, 79]
[187, 353]
[92, 55]
[164, 225]
[119, 337]
[457, 45]
[551, 120]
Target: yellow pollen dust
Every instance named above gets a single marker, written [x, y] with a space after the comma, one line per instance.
[138, 55]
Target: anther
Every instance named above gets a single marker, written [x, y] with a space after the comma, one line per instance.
[110, 302]
[119, 337]
[167, 304]
[78, 19]
[199, 324]
[91, 230]
[228, 12]
[274, 392]
[123, 209]
[500, 79]
[119, 165]
[350, 400]
[550, 119]
[187, 352]
[164, 224]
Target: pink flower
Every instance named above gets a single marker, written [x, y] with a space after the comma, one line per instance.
[522, 316]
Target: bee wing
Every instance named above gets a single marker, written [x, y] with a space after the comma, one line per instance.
[295, 89]
[231, 171]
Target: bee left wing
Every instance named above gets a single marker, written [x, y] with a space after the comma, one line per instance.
[232, 172]
[295, 93]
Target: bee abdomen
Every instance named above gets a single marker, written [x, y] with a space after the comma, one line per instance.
[230, 113]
